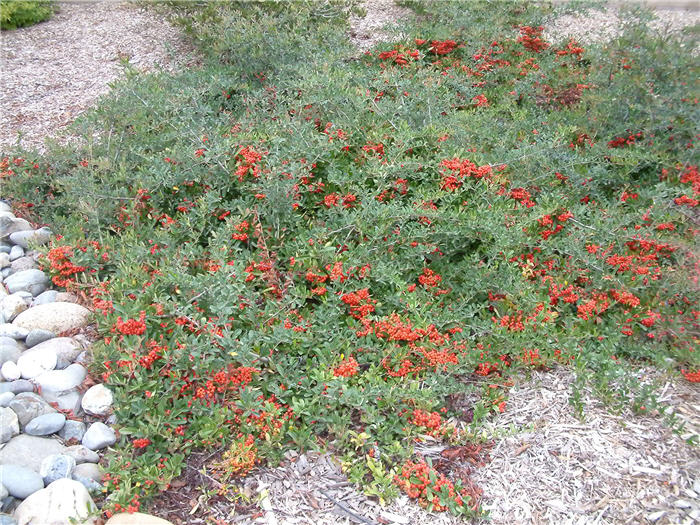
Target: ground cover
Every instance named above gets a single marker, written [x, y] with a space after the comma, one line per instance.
[295, 247]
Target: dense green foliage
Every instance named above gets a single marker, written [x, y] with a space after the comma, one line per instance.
[22, 13]
[293, 246]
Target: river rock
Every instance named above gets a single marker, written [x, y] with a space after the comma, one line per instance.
[55, 317]
[29, 451]
[56, 466]
[49, 296]
[34, 237]
[64, 501]
[20, 481]
[6, 519]
[11, 306]
[5, 399]
[10, 371]
[38, 336]
[3, 492]
[72, 430]
[17, 387]
[4, 259]
[9, 352]
[81, 454]
[9, 424]
[16, 252]
[35, 362]
[23, 263]
[28, 406]
[9, 225]
[65, 399]
[97, 401]
[88, 470]
[99, 436]
[137, 518]
[66, 349]
[13, 331]
[33, 281]
[46, 424]
[61, 380]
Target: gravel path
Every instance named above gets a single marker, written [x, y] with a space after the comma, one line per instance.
[53, 71]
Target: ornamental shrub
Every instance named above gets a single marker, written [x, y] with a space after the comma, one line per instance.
[296, 247]
[22, 13]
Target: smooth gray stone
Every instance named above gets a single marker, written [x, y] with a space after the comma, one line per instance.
[9, 225]
[65, 400]
[5, 272]
[34, 237]
[82, 454]
[5, 248]
[6, 340]
[4, 260]
[72, 430]
[88, 470]
[35, 362]
[16, 252]
[89, 484]
[23, 263]
[19, 481]
[17, 387]
[49, 296]
[15, 332]
[99, 436]
[33, 281]
[11, 306]
[9, 424]
[61, 380]
[5, 398]
[89, 474]
[45, 425]
[66, 349]
[29, 451]
[3, 492]
[9, 352]
[55, 467]
[28, 406]
[6, 519]
[37, 336]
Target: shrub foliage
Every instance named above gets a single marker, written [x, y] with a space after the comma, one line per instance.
[22, 13]
[293, 246]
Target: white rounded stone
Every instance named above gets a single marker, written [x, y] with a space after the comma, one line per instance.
[64, 501]
[35, 362]
[98, 400]
[54, 317]
[10, 371]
